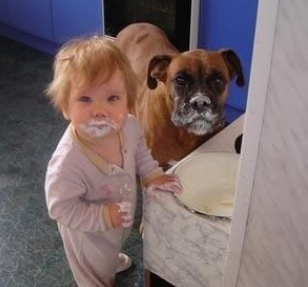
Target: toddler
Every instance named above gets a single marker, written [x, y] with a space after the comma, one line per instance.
[91, 178]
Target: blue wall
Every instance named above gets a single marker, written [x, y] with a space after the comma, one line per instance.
[46, 24]
[230, 24]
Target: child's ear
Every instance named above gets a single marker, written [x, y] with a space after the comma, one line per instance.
[65, 114]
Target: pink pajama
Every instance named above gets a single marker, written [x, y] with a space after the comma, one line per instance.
[78, 189]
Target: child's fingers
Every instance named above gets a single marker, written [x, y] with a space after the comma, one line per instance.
[125, 206]
[127, 218]
[173, 177]
[126, 224]
[176, 184]
[168, 182]
[126, 221]
[175, 187]
[126, 210]
[172, 183]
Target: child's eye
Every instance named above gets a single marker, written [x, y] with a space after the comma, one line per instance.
[85, 99]
[113, 98]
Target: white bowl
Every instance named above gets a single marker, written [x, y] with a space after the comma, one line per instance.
[209, 182]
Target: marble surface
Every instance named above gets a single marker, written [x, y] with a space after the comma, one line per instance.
[187, 249]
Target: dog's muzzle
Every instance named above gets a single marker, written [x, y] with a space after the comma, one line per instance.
[200, 103]
[198, 115]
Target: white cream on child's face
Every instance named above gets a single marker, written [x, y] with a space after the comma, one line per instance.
[99, 110]
[99, 128]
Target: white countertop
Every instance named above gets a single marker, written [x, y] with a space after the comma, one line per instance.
[184, 248]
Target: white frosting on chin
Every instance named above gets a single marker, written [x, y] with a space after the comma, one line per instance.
[99, 129]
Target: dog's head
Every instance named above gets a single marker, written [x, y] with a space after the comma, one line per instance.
[197, 83]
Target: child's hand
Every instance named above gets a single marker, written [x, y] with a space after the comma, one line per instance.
[166, 182]
[121, 214]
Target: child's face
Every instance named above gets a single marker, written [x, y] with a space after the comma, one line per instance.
[99, 110]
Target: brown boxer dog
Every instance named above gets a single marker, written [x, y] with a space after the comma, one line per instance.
[180, 95]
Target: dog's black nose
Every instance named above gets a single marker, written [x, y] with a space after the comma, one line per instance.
[200, 103]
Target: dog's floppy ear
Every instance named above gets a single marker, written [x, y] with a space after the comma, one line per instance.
[157, 70]
[234, 66]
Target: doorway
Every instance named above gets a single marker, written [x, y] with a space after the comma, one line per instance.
[177, 18]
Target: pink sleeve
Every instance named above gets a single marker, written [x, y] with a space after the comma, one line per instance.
[146, 166]
[64, 190]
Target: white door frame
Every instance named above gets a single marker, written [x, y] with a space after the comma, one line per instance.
[257, 95]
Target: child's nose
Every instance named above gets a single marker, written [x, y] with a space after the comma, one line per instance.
[99, 111]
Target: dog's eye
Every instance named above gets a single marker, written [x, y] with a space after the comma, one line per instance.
[180, 81]
[218, 82]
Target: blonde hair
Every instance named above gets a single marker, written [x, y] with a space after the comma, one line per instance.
[94, 59]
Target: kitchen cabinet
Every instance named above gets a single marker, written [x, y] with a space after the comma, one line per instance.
[75, 18]
[46, 24]
[3, 11]
[31, 16]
